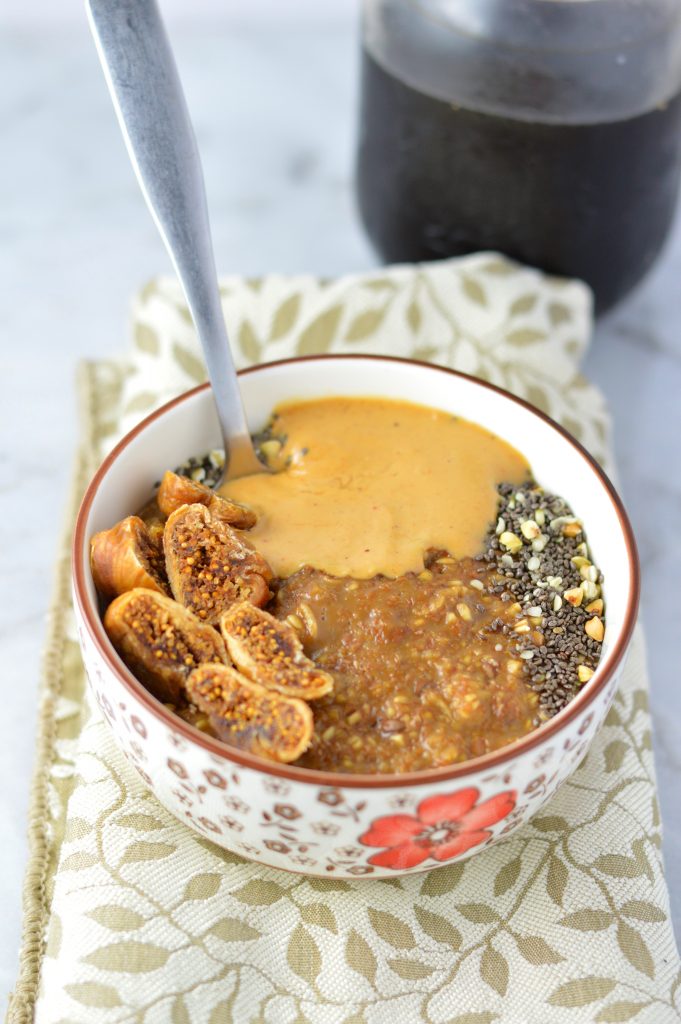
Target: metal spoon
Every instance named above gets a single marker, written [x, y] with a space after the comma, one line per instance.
[147, 95]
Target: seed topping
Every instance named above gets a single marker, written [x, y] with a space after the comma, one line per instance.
[558, 587]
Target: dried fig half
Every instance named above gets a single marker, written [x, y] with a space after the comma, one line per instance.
[249, 716]
[176, 491]
[155, 528]
[210, 566]
[126, 556]
[160, 641]
[270, 653]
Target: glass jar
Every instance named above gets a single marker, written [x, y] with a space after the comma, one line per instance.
[549, 130]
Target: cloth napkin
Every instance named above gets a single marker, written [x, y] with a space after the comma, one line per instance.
[130, 916]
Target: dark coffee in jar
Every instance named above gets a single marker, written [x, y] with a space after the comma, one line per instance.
[593, 201]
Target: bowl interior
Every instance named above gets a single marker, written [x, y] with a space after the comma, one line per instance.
[189, 427]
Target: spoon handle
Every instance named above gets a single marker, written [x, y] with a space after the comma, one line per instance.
[147, 95]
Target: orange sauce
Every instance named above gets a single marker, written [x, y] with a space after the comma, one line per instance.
[367, 485]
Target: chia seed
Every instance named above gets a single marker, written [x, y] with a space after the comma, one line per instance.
[207, 469]
[534, 575]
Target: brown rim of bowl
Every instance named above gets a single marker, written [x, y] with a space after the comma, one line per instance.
[543, 732]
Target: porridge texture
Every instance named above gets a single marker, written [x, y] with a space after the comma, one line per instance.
[423, 674]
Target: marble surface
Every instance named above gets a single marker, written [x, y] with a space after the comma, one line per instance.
[274, 107]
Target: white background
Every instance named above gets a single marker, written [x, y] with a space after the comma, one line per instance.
[272, 89]
[58, 13]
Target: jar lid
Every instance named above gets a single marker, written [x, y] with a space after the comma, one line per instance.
[564, 61]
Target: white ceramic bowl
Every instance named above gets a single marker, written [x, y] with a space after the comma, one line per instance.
[322, 823]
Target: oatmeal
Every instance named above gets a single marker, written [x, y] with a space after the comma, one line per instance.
[423, 674]
[398, 595]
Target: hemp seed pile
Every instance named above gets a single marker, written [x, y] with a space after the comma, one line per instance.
[538, 546]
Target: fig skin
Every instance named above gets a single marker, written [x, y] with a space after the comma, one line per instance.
[125, 557]
[269, 652]
[176, 491]
[155, 528]
[161, 642]
[250, 717]
[210, 566]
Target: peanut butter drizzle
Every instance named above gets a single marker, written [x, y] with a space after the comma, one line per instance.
[367, 485]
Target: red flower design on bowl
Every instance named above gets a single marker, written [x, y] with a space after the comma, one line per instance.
[444, 827]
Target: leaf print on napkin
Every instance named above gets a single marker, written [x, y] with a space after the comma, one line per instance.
[146, 339]
[537, 950]
[140, 822]
[248, 342]
[556, 880]
[232, 929]
[614, 755]
[634, 948]
[523, 304]
[474, 291]
[494, 970]
[437, 883]
[414, 316]
[303, 955]
[318, 336]
[285, 317]
[142, 851]
[365, 324]
[79, 861]
[507, 876]
[589, 920]
[478, 913]
[138, 957]
[202, 887]
[438, 928]
[483, 1017]
[179, 1013]
[190, 363]
[391, 929]
[259, 893]
[559, 313]
[618, 866]
[642, 910]
[359, 955]
[117, 919]
[410, 970]
[142, 402]
[582, 991]
[94, 994]
[525, 336]
[321, 915]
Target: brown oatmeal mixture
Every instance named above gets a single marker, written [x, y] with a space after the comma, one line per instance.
[423, 673]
